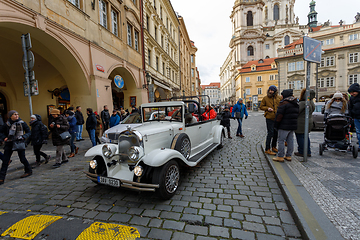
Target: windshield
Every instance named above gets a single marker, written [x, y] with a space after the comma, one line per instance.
[133, 118]
[318, 108]
[173, 113]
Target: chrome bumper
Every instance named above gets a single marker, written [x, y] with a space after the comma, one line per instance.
[145, 187]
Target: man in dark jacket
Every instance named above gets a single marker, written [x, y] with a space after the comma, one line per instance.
[58, 126]
[225, 119]
[38, 137]
[79, 123]
[13, 131]
[72, 130]
[354, 107]
[91, 125]
[105, 117]
[286, 123]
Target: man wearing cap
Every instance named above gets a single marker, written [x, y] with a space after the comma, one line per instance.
[59, 125]
[14, 131]
[269, 105]
[354, 107]
[105, 117]
[238, 112]
[286, 123]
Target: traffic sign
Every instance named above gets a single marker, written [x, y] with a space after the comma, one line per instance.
[312, 50]
[30, 60]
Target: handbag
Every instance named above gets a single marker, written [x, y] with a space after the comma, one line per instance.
[65, 135]
[238, 115]
[18, 145]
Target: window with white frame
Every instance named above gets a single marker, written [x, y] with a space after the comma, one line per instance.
[300, 65]
[291, 67]
[114, 22]
[276, 76]
[296, 85]
[75, 3]
[267, 46]
[134, 1]
[136, 40]
[155, 33]
[327, 61]
[247, 79]
[259, 78]
[103, 13]
[353, 78]
[164, 69]
[353, 37]
[271, 77]
[327, 82]
[291, 85]
[259, 91]
[129, 35]
[157, 63]
[192, 72]
[149, 57]
[295, 66]
[192, 58]
[327, 42]
[353, 57]
[247, 91]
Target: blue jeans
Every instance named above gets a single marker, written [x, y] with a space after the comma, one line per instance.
[300, 138]
[72, 139]
[239, 129]
[272, 134]
[357, 127]
[92, 136]
[79, 132]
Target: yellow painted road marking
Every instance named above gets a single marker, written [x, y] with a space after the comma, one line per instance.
[29, 227]
[1, 212]
[108, 231]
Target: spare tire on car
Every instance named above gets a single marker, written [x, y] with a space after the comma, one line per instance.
[181, 143]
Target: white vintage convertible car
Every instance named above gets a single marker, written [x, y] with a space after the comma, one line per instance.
[148, 157]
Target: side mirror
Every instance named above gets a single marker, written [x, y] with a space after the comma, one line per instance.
[191, 108]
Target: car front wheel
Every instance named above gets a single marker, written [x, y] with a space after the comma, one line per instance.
[168, 178]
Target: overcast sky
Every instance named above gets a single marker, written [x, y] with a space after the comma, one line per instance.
[208, 24]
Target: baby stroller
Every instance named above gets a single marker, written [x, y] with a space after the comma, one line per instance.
[337, 135]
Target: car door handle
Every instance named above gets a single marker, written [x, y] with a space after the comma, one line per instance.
[199, 127]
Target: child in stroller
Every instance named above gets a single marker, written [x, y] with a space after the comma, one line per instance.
[337, 133]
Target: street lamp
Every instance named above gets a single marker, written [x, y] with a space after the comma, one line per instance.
[183, 92]
[148, 80]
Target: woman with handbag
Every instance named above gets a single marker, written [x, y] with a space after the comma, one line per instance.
[60, 136]
[12, 133]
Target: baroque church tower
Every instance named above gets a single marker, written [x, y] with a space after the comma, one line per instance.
[260, 27]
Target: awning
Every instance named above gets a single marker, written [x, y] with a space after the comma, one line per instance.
[157, 83]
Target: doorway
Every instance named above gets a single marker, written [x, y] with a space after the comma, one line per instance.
[3, 107]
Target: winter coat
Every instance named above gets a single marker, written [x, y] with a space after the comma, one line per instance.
[55, 131]
[114, 120]
[270, 101]
[39, 132]
[91, 121]
[301, 118]
[1, 121]
[105, 116]
[4, 132]
[239, 107]
[225, 118]
[336, 108]
[79, 118]
[207, 115]
[287, 114]
[72, 122]
[98, 125]
[354, 103]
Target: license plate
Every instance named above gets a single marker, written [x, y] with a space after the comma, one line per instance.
[109, 181]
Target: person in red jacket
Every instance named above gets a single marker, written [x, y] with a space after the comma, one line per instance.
[209, 113]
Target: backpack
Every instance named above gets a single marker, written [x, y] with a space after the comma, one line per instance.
[44, 131]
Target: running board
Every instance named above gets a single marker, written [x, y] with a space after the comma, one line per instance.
[203, 153]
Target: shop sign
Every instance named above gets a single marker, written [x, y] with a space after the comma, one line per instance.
[119, 81]
[99, 68]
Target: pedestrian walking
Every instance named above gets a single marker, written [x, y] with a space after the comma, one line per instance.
[38, 137]
[300, 131]
[59, 125]
[70, 116]
[238, 112]
[354, 107]
[79, 123]
[225, 119]
[14, 133]
[286, 123]
[105, 117]
[98, 128]
[114, 119]
[269, 105]
[91, 125]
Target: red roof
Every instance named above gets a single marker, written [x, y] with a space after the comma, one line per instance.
[293, 44]
[263, 65]
[213, 84]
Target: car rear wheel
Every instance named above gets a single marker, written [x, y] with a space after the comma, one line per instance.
[168, 178]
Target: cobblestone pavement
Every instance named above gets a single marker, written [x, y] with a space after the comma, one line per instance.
[333, 181]
[231, 194]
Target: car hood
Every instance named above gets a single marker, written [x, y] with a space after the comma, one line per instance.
[150, 128]
[121, 127]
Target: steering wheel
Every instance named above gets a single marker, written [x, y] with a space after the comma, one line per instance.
[174, 115]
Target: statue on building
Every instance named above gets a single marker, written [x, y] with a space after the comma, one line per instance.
[341, 22]
[297, 20]
[327, 23]
[357, 17]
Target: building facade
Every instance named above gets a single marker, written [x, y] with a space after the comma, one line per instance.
[187, 61]
[340, 62]
[227, 81]
[213, 91]
[161, 48]
[79, 47]
[254, 80]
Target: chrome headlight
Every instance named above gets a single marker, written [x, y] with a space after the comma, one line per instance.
[138, 171]
[107, 152]
[134, 153]
[93, 164]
